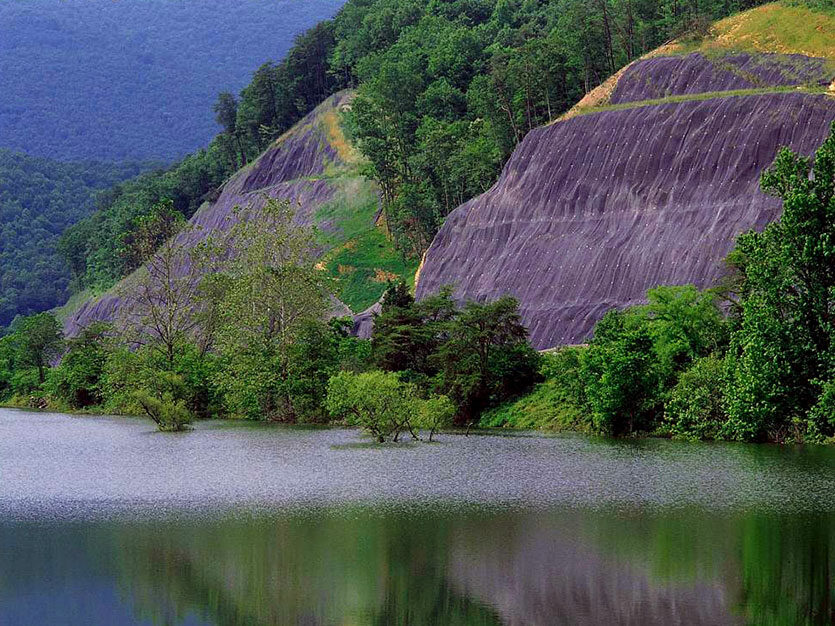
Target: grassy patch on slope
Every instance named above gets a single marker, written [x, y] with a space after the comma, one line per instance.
[781, 27]
[708, 95]
[361, 258]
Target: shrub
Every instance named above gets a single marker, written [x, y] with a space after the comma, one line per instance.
[695, 409]
[378, 402]
[434, 413]
[559, 403]
[170, 415]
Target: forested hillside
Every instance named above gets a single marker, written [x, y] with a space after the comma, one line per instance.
[446, 91]
[39, 199]
[133, 79]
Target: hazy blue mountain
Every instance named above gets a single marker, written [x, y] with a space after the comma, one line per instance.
[134, 79]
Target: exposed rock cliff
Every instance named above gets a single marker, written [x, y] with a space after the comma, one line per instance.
[314, 167]
[650, 187]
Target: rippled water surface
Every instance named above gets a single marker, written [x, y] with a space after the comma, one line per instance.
[105, 521]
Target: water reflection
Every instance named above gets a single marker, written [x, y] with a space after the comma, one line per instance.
[466, 567]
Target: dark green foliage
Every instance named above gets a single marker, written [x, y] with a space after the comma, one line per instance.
[94, 248]
[477, 355]
[77, 381]
[782, 353]
[485, 357]
[695, 408]
[558, 403]
[39, 199]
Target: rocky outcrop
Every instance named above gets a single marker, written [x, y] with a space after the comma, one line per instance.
[592, 211]
[660, 77]
[295, 168]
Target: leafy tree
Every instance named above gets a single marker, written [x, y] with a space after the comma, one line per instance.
[782, 352]
[695, 409]
[621, 375]
[160, 310]
[434, 414]
[39, 340]
[403, 339]
[78, 378]
[163, 403]
[378, 402]
[486, 357]
[274, 294]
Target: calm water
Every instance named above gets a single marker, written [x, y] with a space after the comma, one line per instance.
[104, 521]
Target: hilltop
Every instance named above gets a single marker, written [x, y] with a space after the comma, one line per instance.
[648, 180]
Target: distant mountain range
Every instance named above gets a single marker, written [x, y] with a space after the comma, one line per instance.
[135, 79]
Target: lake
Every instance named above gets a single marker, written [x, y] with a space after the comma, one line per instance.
[106, 521]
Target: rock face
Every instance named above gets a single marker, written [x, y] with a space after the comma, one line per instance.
[592, 211]
[294, 168]
[661, 77]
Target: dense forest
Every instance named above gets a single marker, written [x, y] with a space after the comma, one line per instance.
[132, 80]
[446, 90]
[39, 199]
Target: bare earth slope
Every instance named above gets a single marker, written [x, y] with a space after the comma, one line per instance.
[314, 167]
[649, 188]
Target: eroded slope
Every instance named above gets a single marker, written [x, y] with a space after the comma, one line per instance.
[315, 167]
[647, 185]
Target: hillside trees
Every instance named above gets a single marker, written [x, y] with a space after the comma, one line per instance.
[273, 296]
[39, 199]
[446, 90]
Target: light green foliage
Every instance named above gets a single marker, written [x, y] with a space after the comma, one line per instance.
[273, 294]
[434, 414]
[784, 346]
[163, 402]
[160, 300]
[684, 323]
[558, 403]
[378, 402]
[695, 409]
[130, 375]
[361, 258]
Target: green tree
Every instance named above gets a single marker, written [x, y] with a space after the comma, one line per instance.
[378, 402]
[782, 352]
[620, 372]
[274, 293]
[39, 340]
[485, 357]
[696, 406]
[78, 378]
[434, 414]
